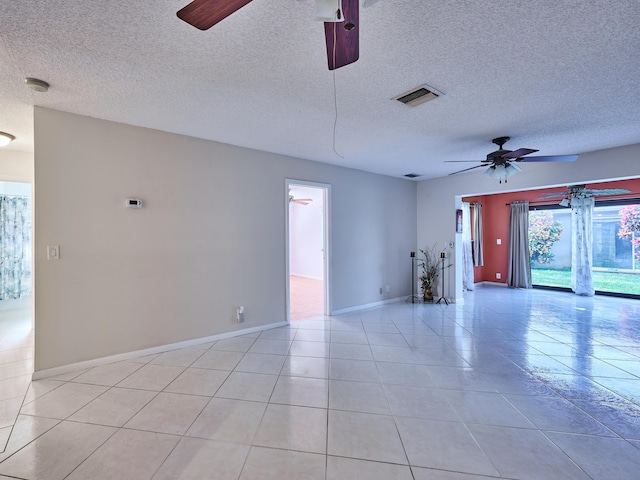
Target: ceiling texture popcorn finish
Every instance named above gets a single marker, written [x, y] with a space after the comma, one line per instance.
[561, 76]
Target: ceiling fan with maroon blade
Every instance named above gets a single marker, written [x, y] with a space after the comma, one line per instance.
[341, 18]
[501, 162]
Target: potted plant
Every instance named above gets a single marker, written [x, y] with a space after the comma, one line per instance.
[430, 272]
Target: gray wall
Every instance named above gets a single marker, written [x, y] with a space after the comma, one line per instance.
[210, 237]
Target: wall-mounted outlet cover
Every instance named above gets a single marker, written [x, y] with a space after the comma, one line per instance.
[240, 314]
[499, 241]
[498, 276]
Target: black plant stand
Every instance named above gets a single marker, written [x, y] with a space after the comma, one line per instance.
[442, 297]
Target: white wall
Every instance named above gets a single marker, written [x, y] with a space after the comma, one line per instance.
[16, 166]
[439, 198]
[210, 237]
[306, 233]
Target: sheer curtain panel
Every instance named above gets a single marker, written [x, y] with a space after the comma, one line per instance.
[478, 253]
[582, 240]
[15, 247]
[467, 257]
[519, 257]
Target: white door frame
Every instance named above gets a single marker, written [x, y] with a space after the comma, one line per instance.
[326, 214]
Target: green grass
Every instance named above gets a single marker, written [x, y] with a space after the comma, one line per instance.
[603, 281]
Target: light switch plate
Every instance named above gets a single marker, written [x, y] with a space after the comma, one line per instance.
[53, 252]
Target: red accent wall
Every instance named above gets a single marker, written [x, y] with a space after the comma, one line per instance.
[495, 222]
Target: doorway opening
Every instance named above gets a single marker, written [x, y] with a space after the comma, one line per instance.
[307, 249]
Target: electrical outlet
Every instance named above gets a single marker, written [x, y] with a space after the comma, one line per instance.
[498, 276]
[499, 241]
[240, 314]
[380, 290]
[388, 288]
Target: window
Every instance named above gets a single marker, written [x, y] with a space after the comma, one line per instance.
[616, 247]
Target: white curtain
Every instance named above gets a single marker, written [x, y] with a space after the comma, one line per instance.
[478, 253]
[519, 257]
[15, 247]
[467, 257]
[582, 239]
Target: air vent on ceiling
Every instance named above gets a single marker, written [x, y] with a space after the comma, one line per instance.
[418, 95]
[412, 175]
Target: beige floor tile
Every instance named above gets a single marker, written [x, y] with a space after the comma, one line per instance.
[171, 413]
[420, 473]
[272, 346]
[63, 401]
[293, 428]
[528, 454]
[306, 392]
[218, 360]
[270, 464]
[127, 454]
[9, 411]
[25, 430]
[198, 381]
[14, 387]
[109, 374]
[430, 443]
[349, 468]
[38, 388]
[114, 408]
[419, 402]
[348, 431]
[309, 349]
[196, 459]
[228, 420]
[236, 344]
[152, 377]
[56, 453]
[306, 367]
[261, 363]
[248, 386]
[353, 370]
[182, 357]
[358, 397]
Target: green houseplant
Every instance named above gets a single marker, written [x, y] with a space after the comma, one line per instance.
[429, 273]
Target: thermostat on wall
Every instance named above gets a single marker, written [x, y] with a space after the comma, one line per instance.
[134, 203]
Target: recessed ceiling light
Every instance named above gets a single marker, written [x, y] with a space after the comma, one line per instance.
[6, 139]
[36, 84]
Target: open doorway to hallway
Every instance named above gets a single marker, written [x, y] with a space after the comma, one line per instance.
[307, 249]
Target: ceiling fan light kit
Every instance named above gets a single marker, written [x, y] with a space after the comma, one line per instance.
[6, 139]
[501, 162]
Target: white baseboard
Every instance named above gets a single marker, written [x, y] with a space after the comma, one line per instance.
[73, 367]
[492, 284]
[367, 305]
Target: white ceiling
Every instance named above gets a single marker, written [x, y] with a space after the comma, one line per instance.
[561, 76]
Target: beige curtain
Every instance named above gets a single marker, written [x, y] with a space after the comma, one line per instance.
[519, 256]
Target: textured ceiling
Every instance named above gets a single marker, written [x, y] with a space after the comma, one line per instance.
[559, 76]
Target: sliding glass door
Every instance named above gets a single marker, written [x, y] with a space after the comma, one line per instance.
[616, 247]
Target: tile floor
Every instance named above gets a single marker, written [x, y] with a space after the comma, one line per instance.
[513, 384]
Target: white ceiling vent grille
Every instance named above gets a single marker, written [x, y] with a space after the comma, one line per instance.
[417, 96]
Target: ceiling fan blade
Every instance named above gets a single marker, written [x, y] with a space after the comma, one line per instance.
[521, 152]
[342, 38]
[466, 169]
[204, 14]
[550, 158]
[467, 161]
